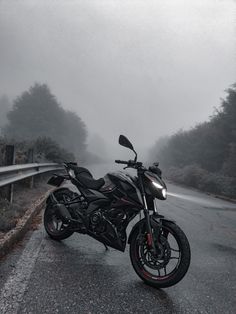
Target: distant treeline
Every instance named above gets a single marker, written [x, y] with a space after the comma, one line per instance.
[204, 156]
[37, 120]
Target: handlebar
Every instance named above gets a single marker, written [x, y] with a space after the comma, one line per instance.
[130, 163]
[121, 162]
[68, 164]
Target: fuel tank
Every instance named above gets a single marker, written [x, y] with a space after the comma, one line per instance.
[121, 185]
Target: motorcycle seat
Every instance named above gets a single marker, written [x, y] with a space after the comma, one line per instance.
[84, 176]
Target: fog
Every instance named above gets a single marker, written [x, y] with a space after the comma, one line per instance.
[141, 68]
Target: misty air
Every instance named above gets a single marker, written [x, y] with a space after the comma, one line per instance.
[117, 156]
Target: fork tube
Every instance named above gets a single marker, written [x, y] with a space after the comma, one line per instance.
[146, 214]
[155, 206]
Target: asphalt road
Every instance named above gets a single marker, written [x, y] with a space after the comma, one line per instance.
[79, 276]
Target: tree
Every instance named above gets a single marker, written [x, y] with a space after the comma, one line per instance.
[205, 156]
[5, 106]
[156, 152]
[46, 149]
[76, 134]
[210, 145]
[229, 165]
[37, 113]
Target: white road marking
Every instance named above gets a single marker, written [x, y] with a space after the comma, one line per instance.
[13, 291]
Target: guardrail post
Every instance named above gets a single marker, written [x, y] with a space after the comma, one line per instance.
[9, 160]
[31, 160]
[30, 156]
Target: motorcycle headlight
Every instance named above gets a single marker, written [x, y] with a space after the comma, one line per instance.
[71, 173]
[160, 187]
[164, 193]
[157, 185]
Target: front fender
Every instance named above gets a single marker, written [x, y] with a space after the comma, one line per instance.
[154, 223]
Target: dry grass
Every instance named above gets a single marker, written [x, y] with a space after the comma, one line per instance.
[24, 198]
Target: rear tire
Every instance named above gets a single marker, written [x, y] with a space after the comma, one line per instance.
[149, 267]
[55, 228]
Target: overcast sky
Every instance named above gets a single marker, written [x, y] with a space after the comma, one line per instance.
[142, 68]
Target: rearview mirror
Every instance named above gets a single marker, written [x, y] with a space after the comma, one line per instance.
[125, 142]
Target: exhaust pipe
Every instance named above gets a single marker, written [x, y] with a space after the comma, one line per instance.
[63, 212]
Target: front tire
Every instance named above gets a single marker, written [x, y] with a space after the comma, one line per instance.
[171, 261]
[54, 226]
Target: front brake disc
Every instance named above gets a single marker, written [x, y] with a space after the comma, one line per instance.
[159, 260]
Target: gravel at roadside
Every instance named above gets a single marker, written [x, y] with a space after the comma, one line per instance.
[16, 218]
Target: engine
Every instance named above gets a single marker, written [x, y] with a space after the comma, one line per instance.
[97, 222]
[111, 220]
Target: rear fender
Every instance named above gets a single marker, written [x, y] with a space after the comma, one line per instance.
[52, 196]
[57, 180]
[155, 223]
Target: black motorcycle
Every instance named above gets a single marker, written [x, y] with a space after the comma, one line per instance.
[103, 208]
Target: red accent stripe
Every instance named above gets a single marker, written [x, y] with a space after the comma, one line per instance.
[149, 239]
[145, 273]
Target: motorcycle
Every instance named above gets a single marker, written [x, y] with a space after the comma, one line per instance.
[103, 208]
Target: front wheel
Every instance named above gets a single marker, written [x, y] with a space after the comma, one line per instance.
[169, 264]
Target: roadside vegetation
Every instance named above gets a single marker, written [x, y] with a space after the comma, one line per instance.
[41, 130]
[37, 114]
[24, 199]
[203, 157]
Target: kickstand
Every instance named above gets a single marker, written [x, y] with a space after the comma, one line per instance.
[105, 247]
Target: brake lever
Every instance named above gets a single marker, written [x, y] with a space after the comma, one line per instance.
[126, 167]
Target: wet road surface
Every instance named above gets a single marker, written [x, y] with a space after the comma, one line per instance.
[79, 276]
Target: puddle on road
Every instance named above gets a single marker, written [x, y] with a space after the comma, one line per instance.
[225, 248]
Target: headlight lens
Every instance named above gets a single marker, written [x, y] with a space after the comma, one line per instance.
[164, 193]
[157, 185]
[71, 173]
[160, 187]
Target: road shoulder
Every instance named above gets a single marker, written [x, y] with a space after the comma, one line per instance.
[15, 235]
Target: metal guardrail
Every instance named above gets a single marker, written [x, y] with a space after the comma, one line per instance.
[15, 173]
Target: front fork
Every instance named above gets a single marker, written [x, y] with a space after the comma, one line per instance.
[150, 237]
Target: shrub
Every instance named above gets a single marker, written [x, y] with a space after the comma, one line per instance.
[203, 180]
[46, 148]
[8, 215]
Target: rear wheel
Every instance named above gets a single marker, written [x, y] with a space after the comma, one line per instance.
[54, 226]
[171, 261]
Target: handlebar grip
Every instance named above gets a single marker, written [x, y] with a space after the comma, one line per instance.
[121, 162]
